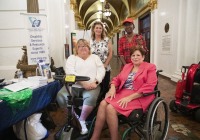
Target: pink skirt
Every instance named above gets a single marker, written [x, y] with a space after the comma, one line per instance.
[132, 105]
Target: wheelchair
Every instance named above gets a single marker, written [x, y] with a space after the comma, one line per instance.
[150, 125]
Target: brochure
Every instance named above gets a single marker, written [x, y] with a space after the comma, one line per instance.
[44, 69]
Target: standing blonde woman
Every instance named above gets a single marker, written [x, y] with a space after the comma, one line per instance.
[102, 46]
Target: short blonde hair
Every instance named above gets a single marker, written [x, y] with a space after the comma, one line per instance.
[85, 42]
[103, 34]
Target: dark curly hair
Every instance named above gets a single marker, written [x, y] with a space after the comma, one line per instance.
[139, 48]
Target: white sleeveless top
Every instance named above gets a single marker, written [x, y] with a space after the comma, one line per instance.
[100, 48]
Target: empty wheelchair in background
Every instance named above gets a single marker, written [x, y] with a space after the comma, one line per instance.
[150, 125]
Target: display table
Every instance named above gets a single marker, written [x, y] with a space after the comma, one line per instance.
[41, 97]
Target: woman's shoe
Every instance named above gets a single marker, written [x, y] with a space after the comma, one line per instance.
[84, 129]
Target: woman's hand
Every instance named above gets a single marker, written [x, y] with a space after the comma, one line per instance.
[86, 85]
[111, 93]
[89, 86]
[105, 65]
[124, 101]
[93, 85]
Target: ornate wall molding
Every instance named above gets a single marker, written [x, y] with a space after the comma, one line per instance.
[150, 6]
[78, 19]
[153, 4]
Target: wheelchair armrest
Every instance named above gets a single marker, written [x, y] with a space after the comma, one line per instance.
[158, 72]
[156, 92]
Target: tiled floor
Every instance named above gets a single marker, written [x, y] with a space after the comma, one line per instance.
[177, 120]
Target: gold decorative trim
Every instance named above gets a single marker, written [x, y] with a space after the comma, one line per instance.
[151, 5]
[72, 4]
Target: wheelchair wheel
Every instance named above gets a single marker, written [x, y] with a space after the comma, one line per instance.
[157, 122]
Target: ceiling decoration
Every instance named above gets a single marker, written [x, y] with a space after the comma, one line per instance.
[106, 12]
[87, 12]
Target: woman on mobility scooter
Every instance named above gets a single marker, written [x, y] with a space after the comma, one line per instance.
[83, 64]
[126, 93]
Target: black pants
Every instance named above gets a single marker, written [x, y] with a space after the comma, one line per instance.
[105, 84]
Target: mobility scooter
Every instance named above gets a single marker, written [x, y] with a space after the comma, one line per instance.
[71, 130]
[187, 96]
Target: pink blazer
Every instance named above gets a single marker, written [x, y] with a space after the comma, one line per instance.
[144, 81]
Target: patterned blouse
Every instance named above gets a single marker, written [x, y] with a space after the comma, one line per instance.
[100, 48]
[129, 82]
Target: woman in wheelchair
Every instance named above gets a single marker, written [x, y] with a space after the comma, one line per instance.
[126, 93]
[83, 64]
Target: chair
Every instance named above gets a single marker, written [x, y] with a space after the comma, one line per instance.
[150, 125]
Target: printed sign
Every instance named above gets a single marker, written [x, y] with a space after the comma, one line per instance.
[37, 38]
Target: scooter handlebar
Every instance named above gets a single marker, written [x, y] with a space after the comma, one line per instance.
[82, 78]
[71, 78]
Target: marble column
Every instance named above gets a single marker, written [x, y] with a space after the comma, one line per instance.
[188, 36]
